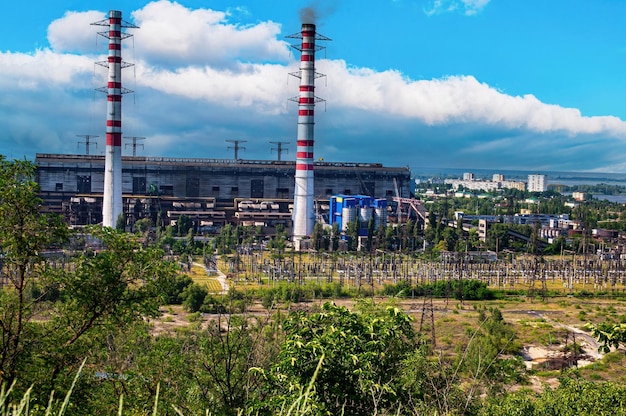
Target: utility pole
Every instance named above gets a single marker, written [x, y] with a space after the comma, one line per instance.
[87, 141]
[279, 148]
[236, 147]
[135, 144]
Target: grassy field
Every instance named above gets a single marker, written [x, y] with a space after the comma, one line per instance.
[199, 276]
[547, 321]
[546, 326]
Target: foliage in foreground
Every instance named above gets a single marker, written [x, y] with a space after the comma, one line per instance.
[574, 396]
[363, 353]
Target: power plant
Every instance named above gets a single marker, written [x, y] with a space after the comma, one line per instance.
[212, 192]
[92, 189]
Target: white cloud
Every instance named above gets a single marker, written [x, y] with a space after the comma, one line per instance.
[173, 34]
[263, 86]
[457, 99]
[474, 6]
[467, 7]
[74, 32]
[42, 69]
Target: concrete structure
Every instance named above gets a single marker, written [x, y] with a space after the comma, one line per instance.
[468, 176]
[543, 219]
[485, 185]
[473, 184]
[514, 185]
[498, 177]
[112, 203]
[209, 190]
[537, 183]
[303, 204]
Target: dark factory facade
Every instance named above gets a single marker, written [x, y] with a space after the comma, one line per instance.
[210, 191]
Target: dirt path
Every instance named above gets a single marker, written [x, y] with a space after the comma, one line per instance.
[592, 344]
[221, 277]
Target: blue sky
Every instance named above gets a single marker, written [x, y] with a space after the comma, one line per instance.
[502, 84]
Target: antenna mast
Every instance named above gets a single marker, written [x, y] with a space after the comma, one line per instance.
[87, 142]
[134, 144]
[236, 147]
[279, 148]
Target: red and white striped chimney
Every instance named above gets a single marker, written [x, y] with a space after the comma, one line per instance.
[112, 199]
[303, 206]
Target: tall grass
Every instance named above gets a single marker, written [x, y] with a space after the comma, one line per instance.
[300, 406]
[7, 408]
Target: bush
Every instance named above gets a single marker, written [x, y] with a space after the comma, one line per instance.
[193, 297]
[175, 291]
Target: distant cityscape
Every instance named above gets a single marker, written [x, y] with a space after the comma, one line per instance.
[552, 177]
[534, 183]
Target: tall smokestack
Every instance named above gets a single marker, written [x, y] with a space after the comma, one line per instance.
[303, 204]
[112, 200]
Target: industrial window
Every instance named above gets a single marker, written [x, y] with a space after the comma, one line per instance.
[367, 188]
[215, 189]
[193, 187]
[256, 188]
[58, 187]
[166, 190]
[234, 190]
[282, 192]
[347, 192]
[83, 184]
[329, 191]
[139, 185]
[388, 192]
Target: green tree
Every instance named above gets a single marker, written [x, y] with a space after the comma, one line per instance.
[120, 223]
[352, 233]
[487, 356]
[143, 225]
[318, 238]
[25, 234]
[335, 234]
[229, 349]
[574, 396]
[121, 284]
[361, 353]
[193, 297]
[184, 224]
[608, 334]
[498, 237]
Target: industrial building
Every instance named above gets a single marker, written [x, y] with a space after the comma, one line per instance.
[210, 191]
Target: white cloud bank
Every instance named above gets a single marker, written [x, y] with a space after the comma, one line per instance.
[202, 75]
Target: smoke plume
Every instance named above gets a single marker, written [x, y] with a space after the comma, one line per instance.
[316, 10]
[308, 15]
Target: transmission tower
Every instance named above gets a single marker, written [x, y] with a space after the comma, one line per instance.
[279, 148]
[87, 141]
[134, 144]
[236, 147]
